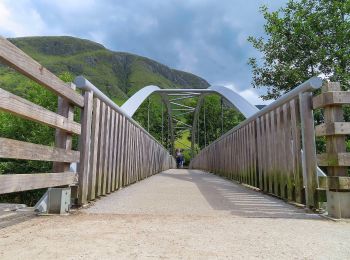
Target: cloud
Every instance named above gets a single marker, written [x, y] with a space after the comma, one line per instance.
[205, 37]
[21, 18]
[249, 94]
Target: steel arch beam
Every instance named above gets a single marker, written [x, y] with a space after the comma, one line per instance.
[242, 105]
[136, 100]
[239, 102]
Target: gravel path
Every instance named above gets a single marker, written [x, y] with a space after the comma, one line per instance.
[180, 214]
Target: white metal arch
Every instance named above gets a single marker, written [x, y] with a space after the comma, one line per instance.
[242, 105]
[136, 100]
[239, 102]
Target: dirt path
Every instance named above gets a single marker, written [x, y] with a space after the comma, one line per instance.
[180, 214]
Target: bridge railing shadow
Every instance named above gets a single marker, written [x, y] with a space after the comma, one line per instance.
[240, 201]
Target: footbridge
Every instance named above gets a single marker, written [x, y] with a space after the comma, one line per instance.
[272, 152]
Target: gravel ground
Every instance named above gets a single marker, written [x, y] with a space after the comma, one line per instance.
[180, 214]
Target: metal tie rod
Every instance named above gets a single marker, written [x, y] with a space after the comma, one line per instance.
[181, 122]
[181, 105]
[183, 109]
[180, 98]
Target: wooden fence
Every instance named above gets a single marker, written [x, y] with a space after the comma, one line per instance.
[114, 151]
[265, 150]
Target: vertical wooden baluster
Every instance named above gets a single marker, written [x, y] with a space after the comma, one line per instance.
[101, 149]
[110, 151]
[272, 183]
[115, 151]
[259, 151]
[309, 147]
[295, 119]
[288, 162]
[106, 150]
[84, 148]
[94, 149]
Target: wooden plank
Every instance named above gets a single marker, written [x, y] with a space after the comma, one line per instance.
[333, 128]
[84, 147]
[331, 98]
[125, 153]
[139, 154]
[255, 154]
[333, 159]
[273, 175]
[101, 149]
[298, 181]
[115, 148]
[288, 150]
[270, 152]
[279, 151]
[17, 59]
[128, 153]
[94, 149]
[260, 151]
[284, 158]
[28, 110]
[338, 183]
[14, 149]
[264, 151]
[309, 147]
[322, 182]
[122, 151]
[22, 182]
[132, 154]
[110, 152]
[106, 150]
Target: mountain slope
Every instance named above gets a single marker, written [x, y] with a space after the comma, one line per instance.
[118, 74]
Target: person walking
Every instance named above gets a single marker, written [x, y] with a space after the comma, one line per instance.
[178, 157]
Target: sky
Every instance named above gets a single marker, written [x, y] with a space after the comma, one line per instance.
[205, 37]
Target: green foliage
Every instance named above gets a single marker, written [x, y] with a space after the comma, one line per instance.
[155, 119]
[17, 128]
[211, 127]
[305, 38]
[117, 74]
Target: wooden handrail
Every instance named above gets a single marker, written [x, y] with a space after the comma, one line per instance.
[17, 59]
[114, 150]
[264, 151]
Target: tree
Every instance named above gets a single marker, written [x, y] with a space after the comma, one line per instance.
[305, 38]
[210, 127]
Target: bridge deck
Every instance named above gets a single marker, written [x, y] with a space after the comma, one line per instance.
[180, 214]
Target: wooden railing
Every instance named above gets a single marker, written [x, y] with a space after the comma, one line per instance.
[114, 151]
[120, 151]
[265, 151]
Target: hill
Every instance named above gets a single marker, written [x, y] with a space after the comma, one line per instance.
[118, 74]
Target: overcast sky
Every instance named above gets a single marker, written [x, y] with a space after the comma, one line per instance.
[204, 37]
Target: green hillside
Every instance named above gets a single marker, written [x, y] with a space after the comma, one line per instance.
[118, 74]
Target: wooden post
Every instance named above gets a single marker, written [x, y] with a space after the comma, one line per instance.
[84, 147]
[62, 138]
[309, 147]
[334, 143]
[335, 159]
